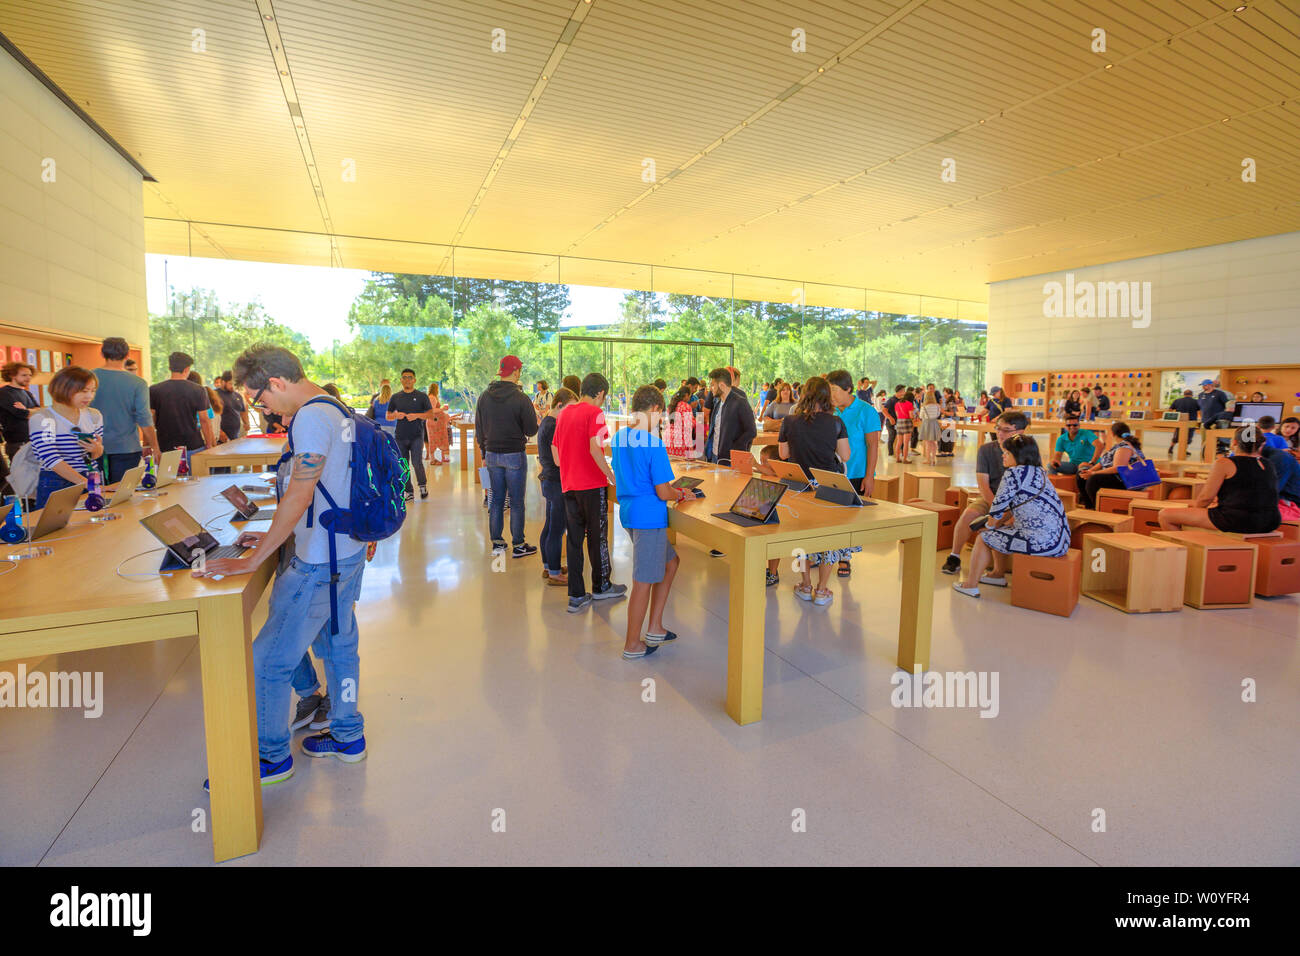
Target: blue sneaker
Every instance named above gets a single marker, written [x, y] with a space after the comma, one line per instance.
[271, 772]
[324, 745]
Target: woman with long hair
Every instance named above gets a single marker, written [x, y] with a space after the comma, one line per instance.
[554, 522]
[437, 429]
[928, 414]
[778, 409]
[1125, 449]
[378, 411]
[1072, 405]
[681, 428]
[813, 436]
[981, 413]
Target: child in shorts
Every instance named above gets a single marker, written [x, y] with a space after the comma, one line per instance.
[643, 478]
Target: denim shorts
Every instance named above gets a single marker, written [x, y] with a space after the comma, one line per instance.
[651, 553]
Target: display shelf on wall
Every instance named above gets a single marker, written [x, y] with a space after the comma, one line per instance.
[49, 350]
[1039, 393]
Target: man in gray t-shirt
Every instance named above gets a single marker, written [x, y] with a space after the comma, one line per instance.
[306, 592]
[123, 399]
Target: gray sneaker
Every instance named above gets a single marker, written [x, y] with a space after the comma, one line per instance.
[613, 592]
[306, 711]
[321, 719]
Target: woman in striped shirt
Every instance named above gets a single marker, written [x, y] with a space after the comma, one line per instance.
[63, 457]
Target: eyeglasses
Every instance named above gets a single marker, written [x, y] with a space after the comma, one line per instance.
[257, 399]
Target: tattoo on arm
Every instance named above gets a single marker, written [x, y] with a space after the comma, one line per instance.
[308, 466]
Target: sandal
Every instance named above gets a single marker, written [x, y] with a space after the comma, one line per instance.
[823, 597]
[772, 578]
[803, 592]
[844, 570]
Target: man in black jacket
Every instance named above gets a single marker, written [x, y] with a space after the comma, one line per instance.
[732, 422]
[504, 420]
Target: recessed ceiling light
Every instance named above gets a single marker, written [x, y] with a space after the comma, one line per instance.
[267, 16]
[821, 69]
[1226, 118]
[981, 122]
[1239, 9]
[1109, 65]
[284, 72]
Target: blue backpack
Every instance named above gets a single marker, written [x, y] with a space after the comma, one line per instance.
[376, 505]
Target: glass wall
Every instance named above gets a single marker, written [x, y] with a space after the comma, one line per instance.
[453, 325]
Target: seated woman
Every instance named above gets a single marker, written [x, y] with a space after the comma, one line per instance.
[1026, 517]
[1246, 486]
[69, 434]
[1290, 430]
[1125, 449]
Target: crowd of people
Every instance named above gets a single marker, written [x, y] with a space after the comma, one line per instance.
[109, 418]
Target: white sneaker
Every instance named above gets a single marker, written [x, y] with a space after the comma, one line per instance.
[995, 582]
[973, 592]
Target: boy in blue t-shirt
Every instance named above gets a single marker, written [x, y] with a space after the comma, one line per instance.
[643, 478]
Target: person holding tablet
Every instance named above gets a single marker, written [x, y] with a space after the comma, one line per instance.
[813, 436]
[66, 435]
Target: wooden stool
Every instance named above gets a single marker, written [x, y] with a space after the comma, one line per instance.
[1277, 569]
[959, 496]
[1050, 585]
[948, 515]
[1117, 500]
[1220, 570]
[1064, 483]
[1180, 489]
[1146, 514]
[1082, 521]
[1134, 573]
[1290, 530]
[1069, 499]
[929, 485]
[887, 488]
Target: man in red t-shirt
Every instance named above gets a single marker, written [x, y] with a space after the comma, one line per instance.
[585, 477]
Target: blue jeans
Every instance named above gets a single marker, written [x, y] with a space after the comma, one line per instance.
[553, 528]
[299, 617]
[304, 680]
[117, 465]
[48, 483]
[1064, 468]
[506, 470]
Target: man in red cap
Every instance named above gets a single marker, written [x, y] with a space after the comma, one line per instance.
[504, 420]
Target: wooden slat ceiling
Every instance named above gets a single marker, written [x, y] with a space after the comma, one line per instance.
[765, 166]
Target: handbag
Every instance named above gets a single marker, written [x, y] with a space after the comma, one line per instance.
[1139, 474]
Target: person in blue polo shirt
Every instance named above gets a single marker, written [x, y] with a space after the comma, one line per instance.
[1080, 446]
[863, 425]
[643, 478]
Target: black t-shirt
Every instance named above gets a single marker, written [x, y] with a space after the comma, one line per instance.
[988, 461]
[891, 401]
[1186, 404]
[812, 441]
[232, 404]
[412, 402]
[13, 423]
[176, 406]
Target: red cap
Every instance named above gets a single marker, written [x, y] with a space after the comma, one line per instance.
[509, 365]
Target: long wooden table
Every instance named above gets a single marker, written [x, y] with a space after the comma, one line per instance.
[256, 451]
[820, 526]
[74, 600]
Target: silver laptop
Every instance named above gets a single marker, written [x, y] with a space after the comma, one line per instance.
[58, 509]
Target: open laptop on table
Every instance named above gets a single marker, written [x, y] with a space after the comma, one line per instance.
[789, 474]
[183, 536]
[755, 505]
[54, 516]
[245, 509]
[125, 488]
[742, 461]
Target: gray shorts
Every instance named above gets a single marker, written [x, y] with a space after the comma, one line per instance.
[651, 553]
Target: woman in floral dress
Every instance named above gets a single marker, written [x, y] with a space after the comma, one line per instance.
[438, 429]
[1026, 517]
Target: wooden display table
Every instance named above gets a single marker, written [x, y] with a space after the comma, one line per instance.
[929, 485]
[1220, 570]
[1085, 522]
[465, 427]
[1134, 573]
[1099, 426]
[257, 452]
[74, 600]
[819, 527]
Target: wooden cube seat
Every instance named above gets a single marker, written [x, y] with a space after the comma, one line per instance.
[1135, 573]
[1085, 521]
[948, 515]
[1220, 569]
[1277, 567]
[1050, 585]
[1146, 514]
[1117, 500]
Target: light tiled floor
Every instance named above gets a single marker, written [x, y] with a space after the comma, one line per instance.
[480, 693]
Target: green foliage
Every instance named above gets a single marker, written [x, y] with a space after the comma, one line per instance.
[401, 321]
